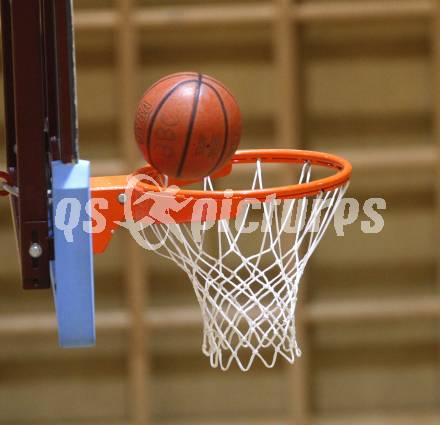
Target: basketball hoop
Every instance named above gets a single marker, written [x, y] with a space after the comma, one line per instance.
[246, 282]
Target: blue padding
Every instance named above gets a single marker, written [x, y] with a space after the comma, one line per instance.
[72, 269]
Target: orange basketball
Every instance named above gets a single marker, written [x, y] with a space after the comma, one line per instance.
[188, 125]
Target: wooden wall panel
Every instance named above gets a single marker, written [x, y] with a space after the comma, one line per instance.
[368, 85]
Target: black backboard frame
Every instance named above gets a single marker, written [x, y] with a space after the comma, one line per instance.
[40, 119]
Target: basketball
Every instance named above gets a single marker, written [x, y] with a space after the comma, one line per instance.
[188, 125]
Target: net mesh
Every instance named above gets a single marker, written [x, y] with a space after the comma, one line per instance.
[246, 271]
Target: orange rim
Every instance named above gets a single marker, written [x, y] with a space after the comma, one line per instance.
[298, 190]
[111, 187]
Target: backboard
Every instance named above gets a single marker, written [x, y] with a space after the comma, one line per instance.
[41, 136]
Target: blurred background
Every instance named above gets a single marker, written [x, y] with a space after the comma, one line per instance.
[355, 78]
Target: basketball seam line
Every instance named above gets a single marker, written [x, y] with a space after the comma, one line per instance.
[190, 127]
[169, 77]
[156, 112]
[220, 84]
[226, 123]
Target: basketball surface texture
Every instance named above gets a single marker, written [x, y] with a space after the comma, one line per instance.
[188, 125]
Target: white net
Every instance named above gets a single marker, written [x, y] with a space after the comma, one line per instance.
[246, 271]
